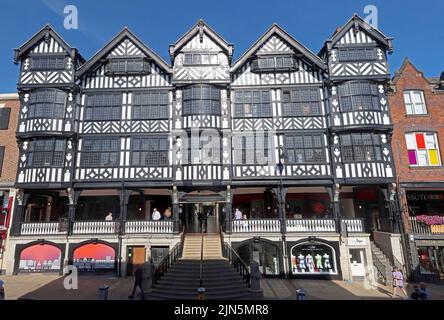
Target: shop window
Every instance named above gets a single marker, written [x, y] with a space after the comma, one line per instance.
[313, 258]
[414, 102]
[423, 149]
[265, 254]
[40, 258]
[94, 257]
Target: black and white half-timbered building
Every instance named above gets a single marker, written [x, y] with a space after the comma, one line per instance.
[298, 142]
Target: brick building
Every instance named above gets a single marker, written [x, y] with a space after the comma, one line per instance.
[9, 110]
[417, 109]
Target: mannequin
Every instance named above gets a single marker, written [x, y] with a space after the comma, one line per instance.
[327, 261]
[301, 262]
[318, 260]
[310, 263]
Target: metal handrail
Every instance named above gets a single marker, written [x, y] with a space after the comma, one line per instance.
[380, 268]
[240, 265]
[201, 260]
[167, 262]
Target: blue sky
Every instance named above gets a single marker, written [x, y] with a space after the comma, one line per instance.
[416, 26]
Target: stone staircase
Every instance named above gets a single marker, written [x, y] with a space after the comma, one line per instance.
[383, 264]
[220, 278]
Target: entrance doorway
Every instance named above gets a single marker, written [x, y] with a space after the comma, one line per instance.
[202, 217]
[135, 258]
[357, 264]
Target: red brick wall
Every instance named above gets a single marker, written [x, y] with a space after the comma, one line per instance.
[7, 139]
[410, 78]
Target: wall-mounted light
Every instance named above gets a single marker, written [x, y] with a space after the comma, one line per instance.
[49, 203]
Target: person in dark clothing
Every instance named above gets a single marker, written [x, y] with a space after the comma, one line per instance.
[204, 222]
[417, 294]
[138, 277]
[200, 218]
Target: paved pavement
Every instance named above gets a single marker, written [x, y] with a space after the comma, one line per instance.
[50, 287]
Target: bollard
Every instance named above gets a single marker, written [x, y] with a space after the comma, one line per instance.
[103, 292]
[201, 293]
[300, 294]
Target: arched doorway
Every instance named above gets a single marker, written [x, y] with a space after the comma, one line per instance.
[265, 253]
[94, 257]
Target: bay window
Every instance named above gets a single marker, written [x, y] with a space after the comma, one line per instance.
[360, 147]
[46, 153]
[358, 95]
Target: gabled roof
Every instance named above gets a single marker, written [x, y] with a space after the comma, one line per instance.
[357, 22]
[399, 72]
[125, 33]
[201, 27]
[47, 30]
[276, 29]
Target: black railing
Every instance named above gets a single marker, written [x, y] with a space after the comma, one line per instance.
[237, 262]
[380, 268]
[167, 262]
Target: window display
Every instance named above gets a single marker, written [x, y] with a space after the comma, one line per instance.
[40, 258]
[313, 258]
[93, 257]
[431, 260]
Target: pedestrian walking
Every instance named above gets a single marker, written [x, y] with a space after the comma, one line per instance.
[138, 277]
[398, 282]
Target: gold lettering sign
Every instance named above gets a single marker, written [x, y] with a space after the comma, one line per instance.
[437, 228]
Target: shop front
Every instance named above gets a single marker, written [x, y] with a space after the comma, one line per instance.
[426, 219]
[268, 254]
[94, 256]
[39, 257]
[314, 258]
[430, 255]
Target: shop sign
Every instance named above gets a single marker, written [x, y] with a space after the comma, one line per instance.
[357, 241]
